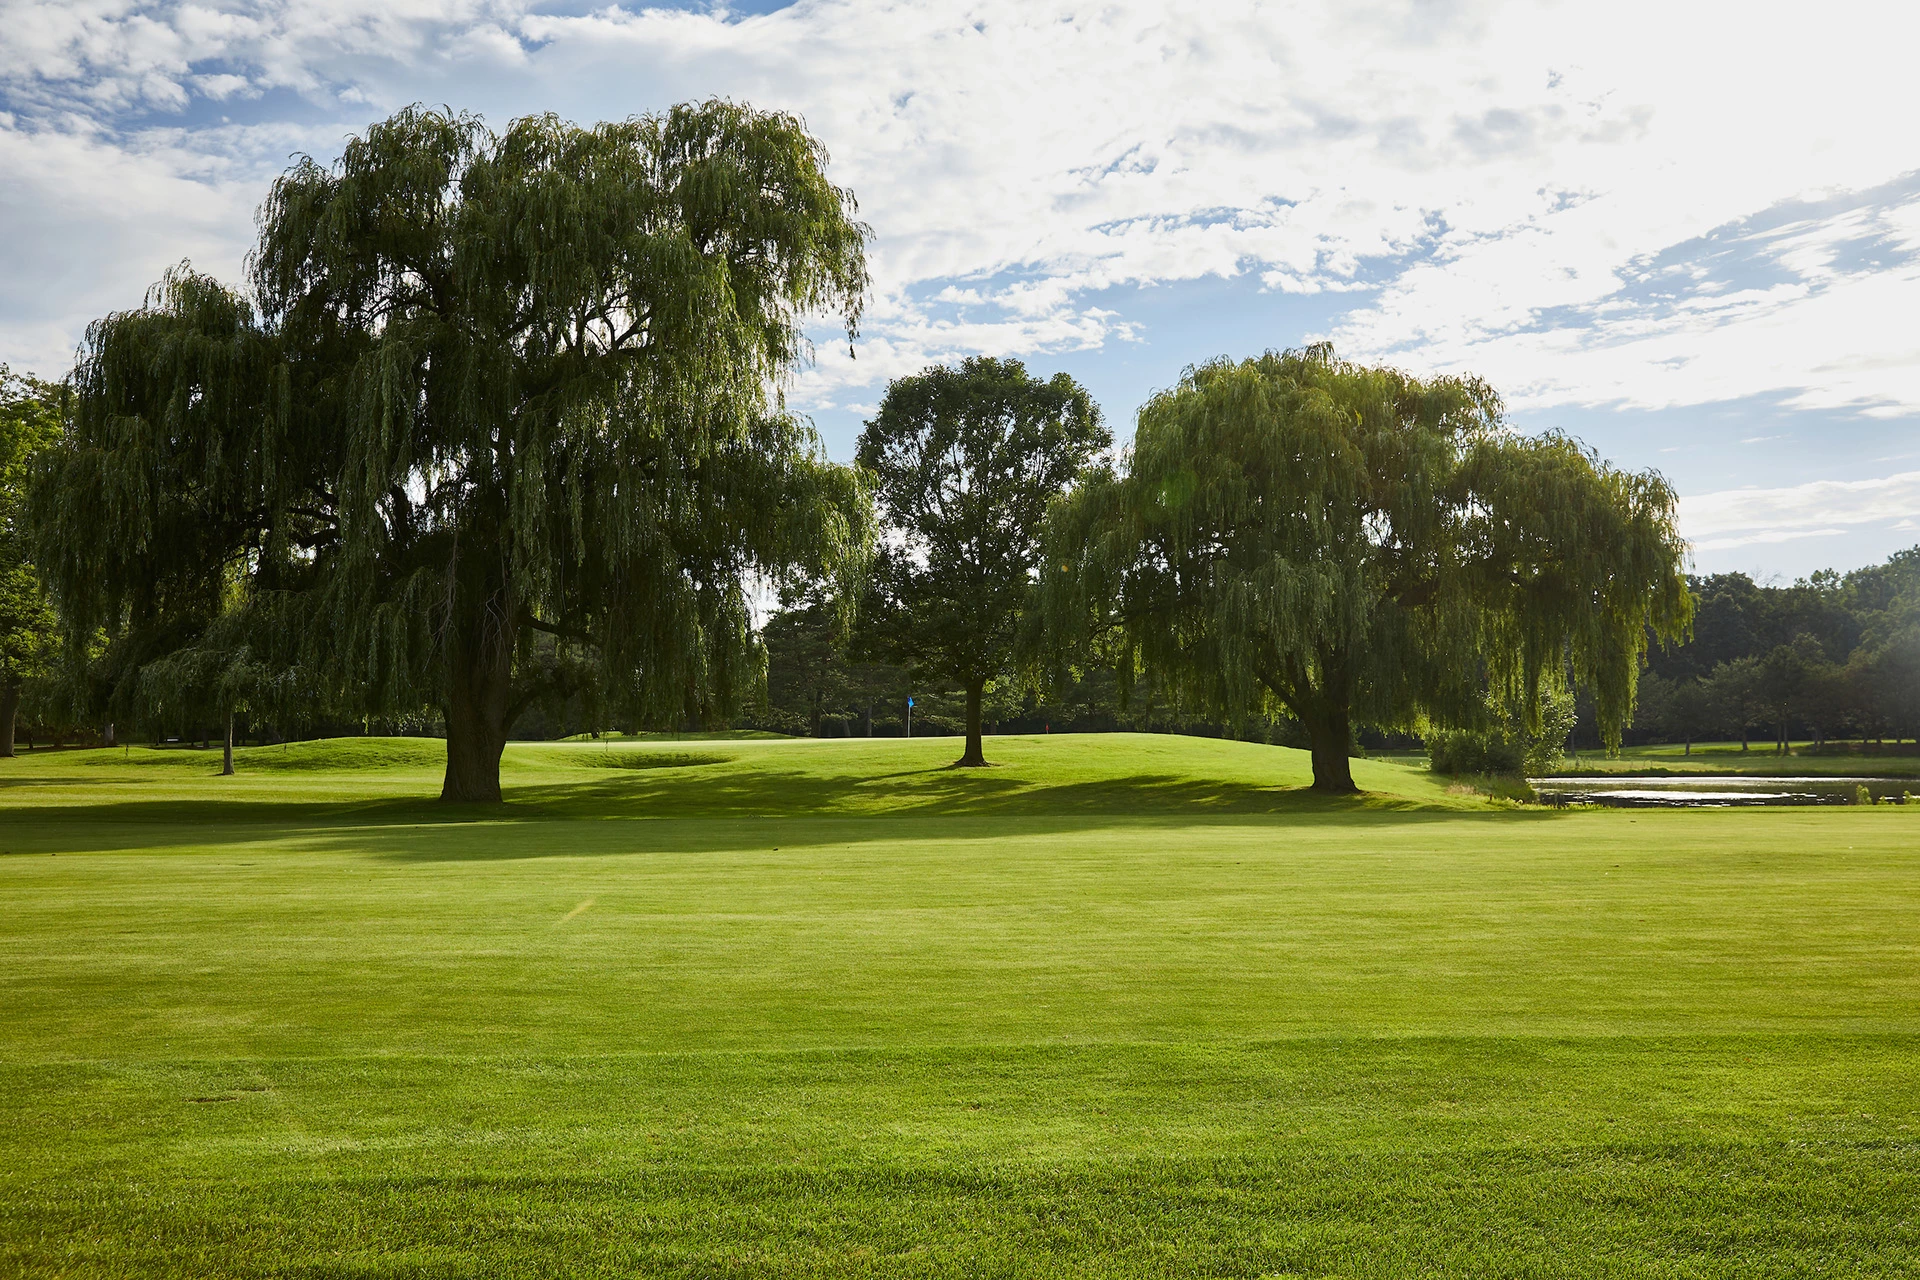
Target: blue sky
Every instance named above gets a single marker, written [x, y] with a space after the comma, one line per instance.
[1691, 242]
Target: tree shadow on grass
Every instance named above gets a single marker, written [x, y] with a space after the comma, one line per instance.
[638, 837]
[934, 791]
[666, 808]
[162, 826]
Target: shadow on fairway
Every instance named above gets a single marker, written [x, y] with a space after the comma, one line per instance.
[505, 842]
[932, 791]
[556, 806]
[162, 825]
[732, 812]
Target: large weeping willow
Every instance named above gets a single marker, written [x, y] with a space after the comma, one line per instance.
[1349, 545]
[501, 421]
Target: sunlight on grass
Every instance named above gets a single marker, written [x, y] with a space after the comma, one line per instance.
[1126, 1005]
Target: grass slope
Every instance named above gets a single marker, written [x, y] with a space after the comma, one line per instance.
[1130, 1006]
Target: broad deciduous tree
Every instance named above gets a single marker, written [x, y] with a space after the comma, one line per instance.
[505, 423]
[1689, 712]
[30, 413]
[966, 460]
[1354, 545]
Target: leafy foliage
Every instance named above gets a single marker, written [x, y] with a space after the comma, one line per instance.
[966, 460]
[1507, 745]
[812, 676]
[1343, 543]
[1828, 655]
[505, 426]
[30, 414]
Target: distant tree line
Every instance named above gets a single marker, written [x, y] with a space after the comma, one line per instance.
[493, 440]
[1832, 656]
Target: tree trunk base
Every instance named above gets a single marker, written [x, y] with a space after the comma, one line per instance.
[470, 782]
[973, 757]
[9, 713]
[480, 677]
[1329, 736]
[473, 760]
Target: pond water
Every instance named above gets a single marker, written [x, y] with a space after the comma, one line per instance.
[1702, 792]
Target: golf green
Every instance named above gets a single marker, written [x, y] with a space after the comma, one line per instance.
[1121, 1005]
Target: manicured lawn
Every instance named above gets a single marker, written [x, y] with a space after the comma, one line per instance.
[1120, 1006]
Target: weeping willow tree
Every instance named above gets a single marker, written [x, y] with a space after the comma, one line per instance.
[501, 420]
[1348, 545]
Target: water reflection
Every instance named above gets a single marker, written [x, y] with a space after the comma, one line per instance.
[1702, 792]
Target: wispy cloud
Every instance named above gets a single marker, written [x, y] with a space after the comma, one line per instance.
[1498, 185]
[1766, 537]
[1821, 508]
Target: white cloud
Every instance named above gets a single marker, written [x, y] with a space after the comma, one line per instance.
[1742, 517]
[1829, 346]
[1499, 185]
[1765, 537]
[90, 222]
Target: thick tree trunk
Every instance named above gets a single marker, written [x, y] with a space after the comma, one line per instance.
[974, 758]
[479, 693]
[1330, 734]
[9, 712]
[226, 750]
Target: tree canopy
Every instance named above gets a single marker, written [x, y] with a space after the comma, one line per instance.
[30, 415]
[1829, 653]
[1346, 544]
[965, 462]
[501, 420]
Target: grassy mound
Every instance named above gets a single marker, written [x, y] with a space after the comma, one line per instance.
[319, 755]
[703, 735]
[1040, 775]
[623, 759]
[1119, 773]
[345, 755]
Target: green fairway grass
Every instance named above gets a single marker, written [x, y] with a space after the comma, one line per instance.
[1122, 1005]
